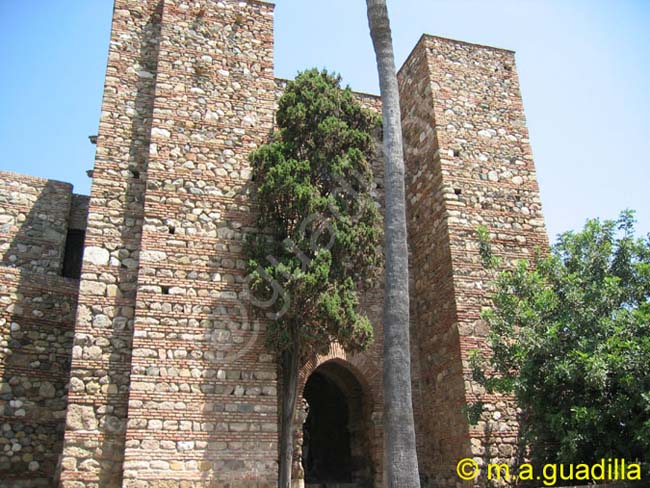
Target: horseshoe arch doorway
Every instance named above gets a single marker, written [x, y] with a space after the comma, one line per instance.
[336, 448]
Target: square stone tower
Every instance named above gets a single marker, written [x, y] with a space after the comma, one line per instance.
[469, 163]
[157, 391]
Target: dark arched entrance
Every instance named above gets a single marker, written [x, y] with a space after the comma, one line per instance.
[335, 434]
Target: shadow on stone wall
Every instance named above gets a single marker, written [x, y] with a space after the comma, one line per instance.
[239, 389]
[113, 427]
[36, 330]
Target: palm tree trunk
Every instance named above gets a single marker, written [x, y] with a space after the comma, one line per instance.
[400, 457]
[290, 366]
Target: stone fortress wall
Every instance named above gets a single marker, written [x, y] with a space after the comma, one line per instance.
[168, 382]
[37, 315]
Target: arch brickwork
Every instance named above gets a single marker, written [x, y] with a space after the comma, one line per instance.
[358, 377]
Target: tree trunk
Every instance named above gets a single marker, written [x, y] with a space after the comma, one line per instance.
[290, 365]
[400, 457]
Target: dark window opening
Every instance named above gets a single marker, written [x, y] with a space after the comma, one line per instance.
[135, 174]
[165, 290]
[172, 229]
[73, 254]
[456, 152]
[458, 191]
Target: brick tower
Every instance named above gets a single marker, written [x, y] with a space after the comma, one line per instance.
[189, 92]
[169, 382]
[468, 163]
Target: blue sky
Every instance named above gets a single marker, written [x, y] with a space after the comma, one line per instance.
[584, 67]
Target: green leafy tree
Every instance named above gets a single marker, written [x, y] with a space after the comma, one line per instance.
[571, 341]
[321, 230]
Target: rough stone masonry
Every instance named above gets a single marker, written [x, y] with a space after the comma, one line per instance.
[141, 366]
